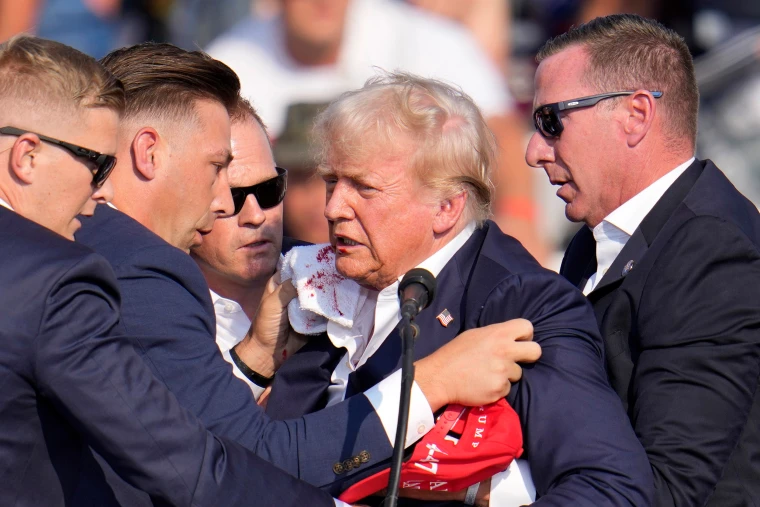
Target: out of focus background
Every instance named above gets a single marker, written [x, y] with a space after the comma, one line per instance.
[294, 56]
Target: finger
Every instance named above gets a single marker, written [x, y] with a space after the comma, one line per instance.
[272, 283]
[514, 373]
[286, 292]
[520, 329]
[277, 276]
[524, 352]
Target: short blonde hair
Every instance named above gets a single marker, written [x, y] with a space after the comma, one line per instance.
[452, 149]
[51, 75]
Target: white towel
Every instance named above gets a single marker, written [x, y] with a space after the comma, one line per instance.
[323, 294]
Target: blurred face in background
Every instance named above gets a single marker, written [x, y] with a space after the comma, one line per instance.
[305, 207]
[244, 248]
[314, 24]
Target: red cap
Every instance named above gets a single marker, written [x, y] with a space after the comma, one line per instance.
[466, 446]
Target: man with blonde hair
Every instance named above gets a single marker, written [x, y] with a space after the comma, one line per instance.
[407, 164]
[669, 256]
[69, 379]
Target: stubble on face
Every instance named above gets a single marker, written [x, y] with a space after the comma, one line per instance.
[243, 249]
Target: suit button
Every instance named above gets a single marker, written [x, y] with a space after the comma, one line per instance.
[348, 465]
[338, 468]
[357, 461]
[364, 456]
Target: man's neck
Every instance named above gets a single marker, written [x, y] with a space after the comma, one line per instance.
[247, 296]
[309, 55]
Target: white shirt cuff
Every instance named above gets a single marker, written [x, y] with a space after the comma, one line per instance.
[513, 487]
[338, 503]
[256, 390]
[385, 398]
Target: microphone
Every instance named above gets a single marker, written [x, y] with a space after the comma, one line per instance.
[416, 291]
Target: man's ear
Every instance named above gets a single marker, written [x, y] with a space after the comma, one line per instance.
[449, 211]
[145, 147]
[641, 110]
[25, 157]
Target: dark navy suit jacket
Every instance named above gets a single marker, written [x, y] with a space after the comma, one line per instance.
[69, 380]
[577, 439]
[168, 315]
[682, 330]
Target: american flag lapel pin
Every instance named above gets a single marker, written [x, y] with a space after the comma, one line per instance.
[445, 318]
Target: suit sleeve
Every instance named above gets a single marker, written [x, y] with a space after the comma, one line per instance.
[98, 382]
[173, 328]
[577, 437]
[697, 370]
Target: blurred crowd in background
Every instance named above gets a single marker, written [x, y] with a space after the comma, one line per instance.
[294, 56]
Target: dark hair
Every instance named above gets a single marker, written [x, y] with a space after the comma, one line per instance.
[630, 52]
[164, 80]
[49, 73]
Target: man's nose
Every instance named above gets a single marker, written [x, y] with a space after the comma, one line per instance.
[338, 206]
[104, 194]
[252, 212]
[222, 204]
[539, 152]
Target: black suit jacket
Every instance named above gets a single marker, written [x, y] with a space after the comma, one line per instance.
[68, 378]
[577, 439]
[682, 335]
[167, 313]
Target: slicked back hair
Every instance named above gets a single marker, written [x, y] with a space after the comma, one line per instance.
[52, 76]
[163, 81]
[630, 52]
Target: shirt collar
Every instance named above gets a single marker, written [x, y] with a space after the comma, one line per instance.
[629, 215]
[223, 304]
[6, 205]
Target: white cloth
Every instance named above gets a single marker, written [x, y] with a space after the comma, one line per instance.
[5, 205]
[376, 319]
[383, 34]
[323, 293]
[612, 233]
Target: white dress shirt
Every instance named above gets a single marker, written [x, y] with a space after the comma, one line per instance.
[5, 205]
[612, 233]
[376, 319]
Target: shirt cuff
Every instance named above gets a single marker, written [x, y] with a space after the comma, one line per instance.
[338, 503]
[513, 487]
[256, 390]
[385, 397]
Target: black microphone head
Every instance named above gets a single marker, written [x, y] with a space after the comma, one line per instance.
[422, 277]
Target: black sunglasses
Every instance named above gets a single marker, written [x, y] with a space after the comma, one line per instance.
[268, 193]
[547, 120]
[104, 163]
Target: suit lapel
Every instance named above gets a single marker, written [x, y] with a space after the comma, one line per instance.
[579, 263]
[647, 231]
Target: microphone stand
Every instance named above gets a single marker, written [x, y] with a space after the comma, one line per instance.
[409, 332]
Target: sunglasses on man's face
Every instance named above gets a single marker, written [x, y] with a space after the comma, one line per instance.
[547, 119]
[104, 164]
[268, 193]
